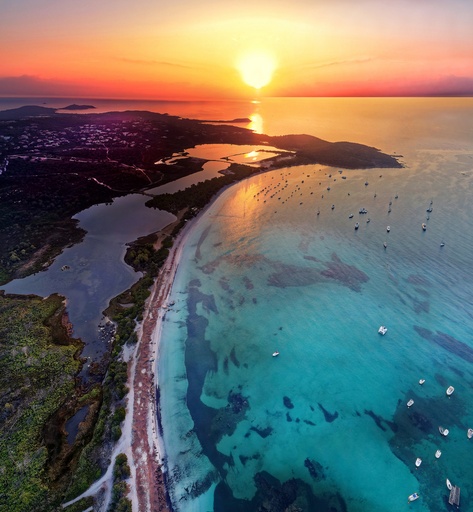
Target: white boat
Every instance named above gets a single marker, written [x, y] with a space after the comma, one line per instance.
[443, 431]
[388, 229]
[449, 484]
[418, 462]
[469, 433]
[275, 353]
[357, 225]
[350, 216]
[414, 496]
[424, 226]
[442, 244]
[450, 390]
[383, 330]
[421, 381]
[385, 244]
[438, 453]
[411, 402]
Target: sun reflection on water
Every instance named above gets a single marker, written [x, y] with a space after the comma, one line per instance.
[256, 124]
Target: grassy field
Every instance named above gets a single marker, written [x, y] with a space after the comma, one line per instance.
[39, 362]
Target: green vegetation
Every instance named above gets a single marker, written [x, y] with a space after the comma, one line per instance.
[121, 472]
[37, 377]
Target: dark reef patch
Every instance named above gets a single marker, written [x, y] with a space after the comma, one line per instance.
[447, 342]
[292, 275]
[262, 432]
[421, 306]
[244, 459]
[417, 280]
[287, 402]
[379, 420]
[308, 422]
[328, 416]
[203, 236]
[288, 417]
[223, 282]
[248, 284]
[293, 495]
[347, 275]
[233, 358]
[316, 469]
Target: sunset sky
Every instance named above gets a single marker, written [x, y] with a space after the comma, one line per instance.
[209, 49]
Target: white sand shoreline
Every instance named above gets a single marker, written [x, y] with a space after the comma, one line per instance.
[155, 310]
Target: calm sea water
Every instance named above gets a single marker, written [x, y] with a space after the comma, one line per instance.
[325, 425]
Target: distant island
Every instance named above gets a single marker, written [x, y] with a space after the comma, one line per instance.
[37, 111]
[237, 120]
[77, 107]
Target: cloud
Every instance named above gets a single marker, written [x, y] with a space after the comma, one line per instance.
[151, 62]
[360, 60]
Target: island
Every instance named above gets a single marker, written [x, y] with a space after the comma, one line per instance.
[52, 166]
[74, 106]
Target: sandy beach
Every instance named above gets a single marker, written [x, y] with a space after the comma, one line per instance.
[146, 457]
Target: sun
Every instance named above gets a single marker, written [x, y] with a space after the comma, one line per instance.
[256, 68]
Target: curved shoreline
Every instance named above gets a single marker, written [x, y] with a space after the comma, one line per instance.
[148, 457]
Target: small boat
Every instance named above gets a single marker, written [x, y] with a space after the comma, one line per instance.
[442, 244]
[366, 183]
[368, 221]
[275, 353]
[333, 206]
[318, 212]
[357, 225]
[424, 226]
[469, 433]
[449, 484]
[438, 453]
[388, 229]
[411, 402]
[383, 330]
[414, 496]
[443, 431]
[429, 209]
[363, 210]
[396, 196]
[450, 390]
[418, 462]
[350, 216]
[385, 244]
[328, 188]
[421, 381]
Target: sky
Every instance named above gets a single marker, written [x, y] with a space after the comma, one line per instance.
[219, 49]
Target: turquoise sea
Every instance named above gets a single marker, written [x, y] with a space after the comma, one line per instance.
[325, 425]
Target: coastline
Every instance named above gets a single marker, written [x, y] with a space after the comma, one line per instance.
[147, 461]
[149, 492]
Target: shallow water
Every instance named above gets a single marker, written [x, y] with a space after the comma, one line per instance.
[327, 419]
